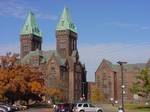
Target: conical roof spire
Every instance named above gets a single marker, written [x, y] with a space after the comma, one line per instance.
[65, 21]
[30, 26]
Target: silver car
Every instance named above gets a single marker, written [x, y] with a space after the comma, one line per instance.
[2, 109]
[86, 107]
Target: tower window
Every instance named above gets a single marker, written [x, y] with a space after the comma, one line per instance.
[25, 47]
[71, 26]
[26, 27]
[35, 29]
[62, 23]
[38, 30]
[53, 70]
[62, 45]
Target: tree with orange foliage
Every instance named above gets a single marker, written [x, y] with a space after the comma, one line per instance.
[19, 82]
[56, 91]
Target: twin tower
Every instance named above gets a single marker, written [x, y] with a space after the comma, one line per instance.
[66, 36]
[63, 63]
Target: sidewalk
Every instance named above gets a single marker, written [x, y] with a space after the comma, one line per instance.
[38, 110]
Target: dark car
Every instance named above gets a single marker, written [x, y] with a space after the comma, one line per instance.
[15, 108]
[64, 107]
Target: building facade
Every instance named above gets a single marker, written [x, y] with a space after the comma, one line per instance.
[62, 66]
[108, 79]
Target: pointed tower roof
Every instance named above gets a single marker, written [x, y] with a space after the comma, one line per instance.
[30, 26]
[65, 21]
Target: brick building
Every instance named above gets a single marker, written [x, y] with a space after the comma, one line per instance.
[60, 65]
[108, 79]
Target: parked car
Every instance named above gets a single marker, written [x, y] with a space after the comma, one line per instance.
[20, 107]
[63, 107]
[7, 107]
[2, 109]
[120, 109]
[15, 107]
[86, 107]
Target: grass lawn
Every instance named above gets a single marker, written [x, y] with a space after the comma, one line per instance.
[137, 108]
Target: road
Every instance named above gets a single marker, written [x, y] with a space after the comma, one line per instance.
[106, 108]
[37, 110]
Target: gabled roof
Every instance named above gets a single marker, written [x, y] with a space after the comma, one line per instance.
[30, 26]
[65, 22]
[60, 61]
[104, 61]
[107, 62]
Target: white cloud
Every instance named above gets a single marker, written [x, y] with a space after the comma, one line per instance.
[136, 27]
[18, 9]
[92, 54]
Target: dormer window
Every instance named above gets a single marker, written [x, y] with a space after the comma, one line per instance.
[26, 27]
[62, 23]
[37, 29]
[71, 25]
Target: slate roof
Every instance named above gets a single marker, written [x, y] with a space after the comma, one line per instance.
[45, 56]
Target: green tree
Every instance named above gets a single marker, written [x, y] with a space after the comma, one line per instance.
[142, 84]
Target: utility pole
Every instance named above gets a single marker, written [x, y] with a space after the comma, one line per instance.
[122, 84]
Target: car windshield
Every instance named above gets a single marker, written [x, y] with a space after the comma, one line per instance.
[79, 105]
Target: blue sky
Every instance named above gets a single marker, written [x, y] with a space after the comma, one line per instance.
[110, 29]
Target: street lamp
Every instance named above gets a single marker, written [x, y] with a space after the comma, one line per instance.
[83, 91]
[116, 102]
[122, 84]
[112, 101]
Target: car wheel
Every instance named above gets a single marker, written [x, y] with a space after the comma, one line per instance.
[99, 111]
[81, 110]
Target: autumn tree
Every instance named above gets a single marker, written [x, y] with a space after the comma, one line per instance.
[19, 82]
[56, 91]
[96, 95]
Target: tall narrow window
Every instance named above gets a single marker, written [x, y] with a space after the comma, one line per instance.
[62, 23]
[62, 43]
[26, 27]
